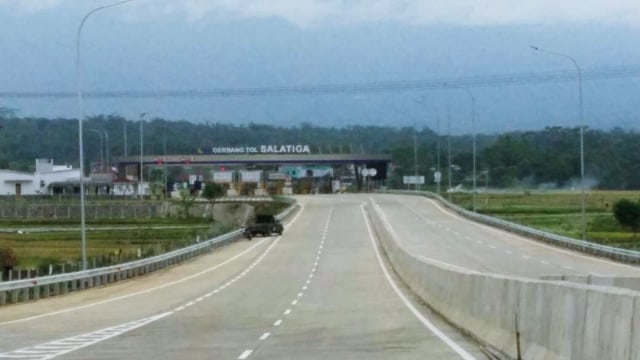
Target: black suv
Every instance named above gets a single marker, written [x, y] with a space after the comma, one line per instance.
[264, 225]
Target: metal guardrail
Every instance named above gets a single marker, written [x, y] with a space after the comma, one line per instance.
[614, 253]
[45, 286]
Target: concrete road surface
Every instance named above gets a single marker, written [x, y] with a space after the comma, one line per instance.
[426, 228]
[320, 291]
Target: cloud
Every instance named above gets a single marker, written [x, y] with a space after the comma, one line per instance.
[313, 13]
[30, 5]
[308, 13]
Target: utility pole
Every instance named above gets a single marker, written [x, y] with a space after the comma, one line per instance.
[415, 156]
[141, 177]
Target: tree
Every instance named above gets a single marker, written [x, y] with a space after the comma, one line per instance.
[187, 199]
[8, 260]
[211, 192]
[627, 213]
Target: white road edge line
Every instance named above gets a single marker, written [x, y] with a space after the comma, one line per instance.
[205, 271]
[531, 241]
[429, 325]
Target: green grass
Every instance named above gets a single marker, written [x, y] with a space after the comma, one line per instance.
[38, 249]
[35, 249]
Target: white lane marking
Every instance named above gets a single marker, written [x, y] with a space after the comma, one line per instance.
[568, 267]
[265, 336]
[544, 262]
[189, 304]
[492, 246]
[287, 312]
[437, 332]
[526, 257]
[200, 299]
[423, 258]
[179, 308]
[175, 282]
[294, 302]
[278, 322]
[508, 252]
[304, 288]
[308, 282]
[64, 346]
[531, 241]
[299, 294]
[245, 354]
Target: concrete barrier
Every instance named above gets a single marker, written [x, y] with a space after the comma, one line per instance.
[555, 319]
[626, 282]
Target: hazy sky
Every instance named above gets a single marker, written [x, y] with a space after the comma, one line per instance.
[151, 45]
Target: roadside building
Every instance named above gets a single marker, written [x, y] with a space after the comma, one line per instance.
[48, 179]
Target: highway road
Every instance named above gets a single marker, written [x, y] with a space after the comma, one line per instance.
[425, 228]
[320, 291]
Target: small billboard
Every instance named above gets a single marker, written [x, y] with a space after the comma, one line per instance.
[413, 180]
[222, 177]
[250, 176]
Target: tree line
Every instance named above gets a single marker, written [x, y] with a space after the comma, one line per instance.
[530, 159]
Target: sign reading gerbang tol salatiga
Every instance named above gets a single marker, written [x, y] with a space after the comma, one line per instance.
[262, 149]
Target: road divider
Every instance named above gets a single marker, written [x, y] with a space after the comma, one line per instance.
[519, 317]
[45, 286]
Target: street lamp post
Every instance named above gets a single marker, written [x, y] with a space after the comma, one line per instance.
[422, 101]
[449, 151]
[106, 150]
[581, 120]
[473, 129]
[438, 150]
[415, 156]
[141, 177]
[101, 148]
[164, 161]
[83, 232]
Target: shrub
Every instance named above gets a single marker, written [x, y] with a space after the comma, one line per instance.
[627, 213]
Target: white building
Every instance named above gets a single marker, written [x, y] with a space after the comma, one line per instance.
[48, 179]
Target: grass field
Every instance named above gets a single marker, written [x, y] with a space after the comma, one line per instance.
[111, 245]
[39, 242]
[560, 213]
